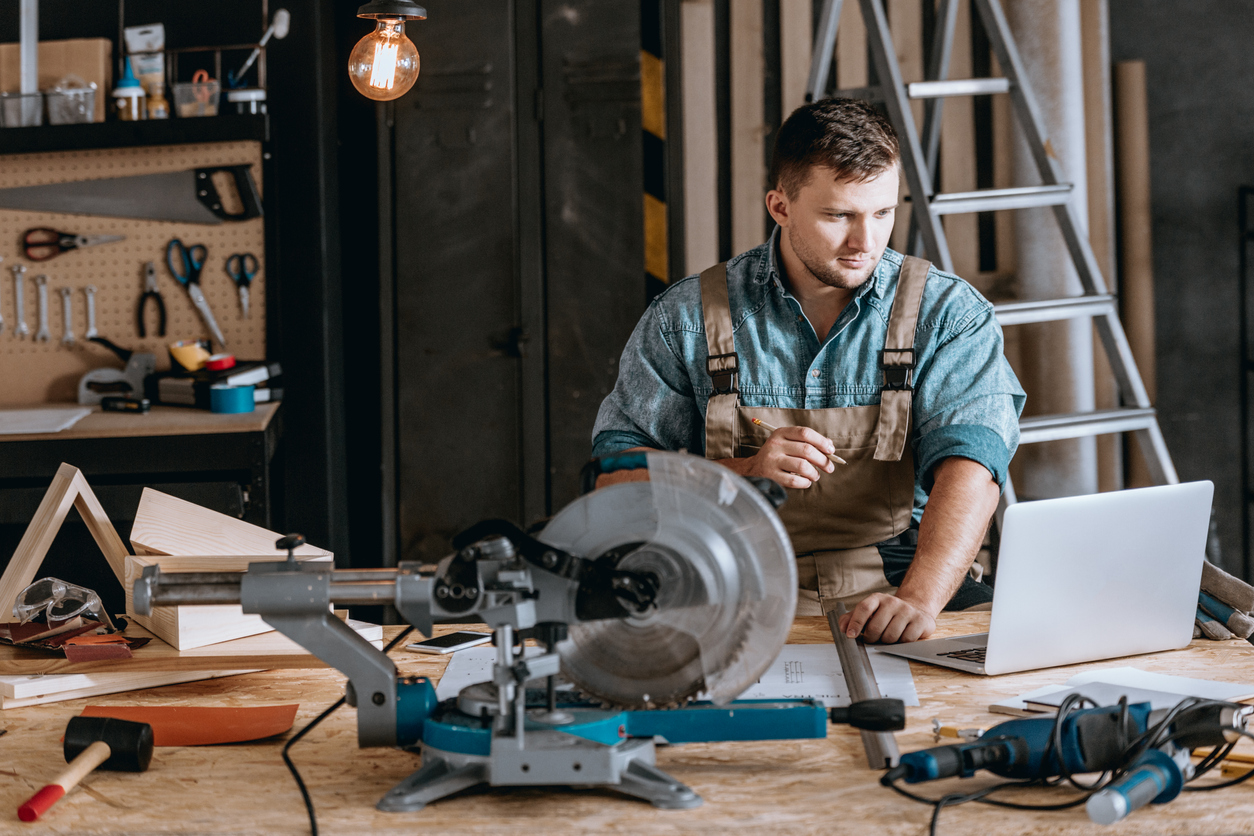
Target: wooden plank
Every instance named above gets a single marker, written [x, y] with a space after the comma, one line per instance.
[162, 420]
[167, 525]
[187, 627]
[796, 42]
[748, 126]
[851, 48]
[1099, 175]
[265, 651]
[35, 542]
[957, 158]
[700, 136]
[905, 22]
[40, 690]
[1136, 237]
[102, 531]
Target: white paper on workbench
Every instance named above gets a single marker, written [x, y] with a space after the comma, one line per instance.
[50, 419]
[812, 671]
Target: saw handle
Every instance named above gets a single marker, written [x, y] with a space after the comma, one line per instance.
[245, 187]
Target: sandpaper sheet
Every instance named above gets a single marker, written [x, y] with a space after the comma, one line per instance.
[190, 725]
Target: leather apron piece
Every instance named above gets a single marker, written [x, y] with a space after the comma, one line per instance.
[836, 522]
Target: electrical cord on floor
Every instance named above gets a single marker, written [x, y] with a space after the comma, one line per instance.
[300, 783]
[1155, 736]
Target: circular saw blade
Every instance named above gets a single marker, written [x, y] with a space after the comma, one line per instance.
[727, 583]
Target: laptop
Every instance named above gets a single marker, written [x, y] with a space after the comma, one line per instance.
[1085, 578]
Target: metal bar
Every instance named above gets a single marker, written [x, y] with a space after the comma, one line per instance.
[992, 200]
[918, 180]
[824, 47]
[1157, 457]
[881, 747]
[28, 49]
[957, 87]
[1100, 422]
[1052, 310]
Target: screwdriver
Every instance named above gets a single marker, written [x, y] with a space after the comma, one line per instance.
[770, 428]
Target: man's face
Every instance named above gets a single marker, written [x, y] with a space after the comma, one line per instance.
[838, 229]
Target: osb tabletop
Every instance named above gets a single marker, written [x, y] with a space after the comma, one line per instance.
[811, 786]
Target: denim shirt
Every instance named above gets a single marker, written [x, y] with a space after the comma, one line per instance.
[967, 399]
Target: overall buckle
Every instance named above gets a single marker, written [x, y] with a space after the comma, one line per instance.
[724, 380]
[898, 376]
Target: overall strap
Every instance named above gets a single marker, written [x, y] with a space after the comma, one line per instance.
[722, 366]
[897, 361]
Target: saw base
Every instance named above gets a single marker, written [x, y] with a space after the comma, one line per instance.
[547, 758]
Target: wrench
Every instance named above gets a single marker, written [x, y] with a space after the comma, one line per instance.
[90, 293]
[41, 284]
[19, 284]
[67, 308]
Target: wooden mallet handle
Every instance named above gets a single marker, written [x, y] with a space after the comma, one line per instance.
[91, 757]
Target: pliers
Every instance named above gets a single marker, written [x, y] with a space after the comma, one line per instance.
[151, 291]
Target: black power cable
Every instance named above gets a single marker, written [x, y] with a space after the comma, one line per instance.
[300, 783]
[1153, 737]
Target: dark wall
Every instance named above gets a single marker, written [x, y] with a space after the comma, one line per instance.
[1199, 63]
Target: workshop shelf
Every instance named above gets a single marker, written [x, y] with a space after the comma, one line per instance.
[116, 134]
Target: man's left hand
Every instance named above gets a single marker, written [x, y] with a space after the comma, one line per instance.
[888, 619]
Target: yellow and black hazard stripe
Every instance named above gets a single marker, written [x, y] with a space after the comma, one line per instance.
[653, 123]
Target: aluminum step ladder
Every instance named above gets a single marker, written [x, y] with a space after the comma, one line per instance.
[919, 153]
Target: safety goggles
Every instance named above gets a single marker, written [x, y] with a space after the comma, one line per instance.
[52, 601]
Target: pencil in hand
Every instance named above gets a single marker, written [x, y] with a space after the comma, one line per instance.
[770, 428]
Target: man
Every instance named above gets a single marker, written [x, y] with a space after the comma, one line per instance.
[850, 351]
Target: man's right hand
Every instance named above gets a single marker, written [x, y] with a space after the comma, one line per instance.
[794, 457]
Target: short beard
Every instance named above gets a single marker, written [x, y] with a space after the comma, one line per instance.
[824, 272]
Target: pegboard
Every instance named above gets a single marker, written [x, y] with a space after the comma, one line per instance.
[44, 372]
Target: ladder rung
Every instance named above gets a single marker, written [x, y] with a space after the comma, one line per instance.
[957, 87]
[991, 200]
[1055, 427]
[1052, 310]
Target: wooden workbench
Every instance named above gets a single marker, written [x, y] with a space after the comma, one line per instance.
[811, 786]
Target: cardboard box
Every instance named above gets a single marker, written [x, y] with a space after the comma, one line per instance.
[89, 58]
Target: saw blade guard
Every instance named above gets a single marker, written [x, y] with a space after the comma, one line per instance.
[727, 583]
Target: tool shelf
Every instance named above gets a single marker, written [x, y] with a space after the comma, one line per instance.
[116, 134]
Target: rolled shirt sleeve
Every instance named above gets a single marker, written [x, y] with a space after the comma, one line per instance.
[967, 399]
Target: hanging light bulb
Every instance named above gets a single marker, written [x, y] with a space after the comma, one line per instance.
[384, 64]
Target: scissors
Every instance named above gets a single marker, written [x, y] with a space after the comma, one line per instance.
[43, 243]
[241, 267]
[185, 264]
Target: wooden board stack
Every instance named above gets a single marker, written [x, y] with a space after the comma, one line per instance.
[180, 536]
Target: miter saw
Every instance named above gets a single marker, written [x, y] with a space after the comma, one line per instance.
[660, 601]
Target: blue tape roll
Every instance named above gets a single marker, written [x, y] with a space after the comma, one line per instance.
[231, 399]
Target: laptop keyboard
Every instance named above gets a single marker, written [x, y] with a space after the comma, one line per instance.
[971, 654]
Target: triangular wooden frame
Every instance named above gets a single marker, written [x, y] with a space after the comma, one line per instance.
[69, 487]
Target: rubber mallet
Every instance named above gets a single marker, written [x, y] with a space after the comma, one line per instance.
[92, 742]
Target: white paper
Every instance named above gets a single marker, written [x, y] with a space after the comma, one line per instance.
[802, 671]
[40, 420]
[1017, 706]
[812, 671]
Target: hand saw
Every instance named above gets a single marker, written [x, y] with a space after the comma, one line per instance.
[190, 196]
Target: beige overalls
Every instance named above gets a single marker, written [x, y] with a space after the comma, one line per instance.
[836, 522]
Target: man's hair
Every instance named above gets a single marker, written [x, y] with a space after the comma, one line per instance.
[846, 136]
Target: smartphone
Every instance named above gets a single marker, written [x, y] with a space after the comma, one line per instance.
[450, 643]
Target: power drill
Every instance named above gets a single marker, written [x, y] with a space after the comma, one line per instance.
[1090, 740]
